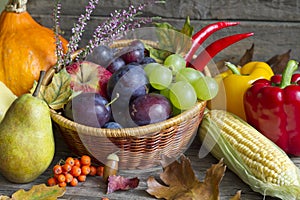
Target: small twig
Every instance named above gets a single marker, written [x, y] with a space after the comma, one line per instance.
[39, 84]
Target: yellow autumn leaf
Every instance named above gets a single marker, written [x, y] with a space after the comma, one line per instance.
[40, 191]
[58, 92]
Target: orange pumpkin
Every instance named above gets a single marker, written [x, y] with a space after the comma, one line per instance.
[26, 48]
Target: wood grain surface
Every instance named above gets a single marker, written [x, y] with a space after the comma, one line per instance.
[276, 23]
[94, 188]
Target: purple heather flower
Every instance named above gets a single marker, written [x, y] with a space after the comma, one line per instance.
[58, 43]
[78, 29]
[119, 23]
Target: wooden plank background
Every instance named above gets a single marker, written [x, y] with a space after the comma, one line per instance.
[275, 23]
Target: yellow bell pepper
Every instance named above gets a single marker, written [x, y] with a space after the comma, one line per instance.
[233, 84]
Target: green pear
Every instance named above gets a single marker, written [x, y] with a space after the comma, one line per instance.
[26, 140]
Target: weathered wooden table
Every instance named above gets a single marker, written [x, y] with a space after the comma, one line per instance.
[94, 188]
[276, 25]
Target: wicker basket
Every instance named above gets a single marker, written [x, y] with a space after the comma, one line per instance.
[138, 147]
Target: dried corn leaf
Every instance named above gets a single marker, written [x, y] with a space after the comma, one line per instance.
[180, 182]
[37, 192]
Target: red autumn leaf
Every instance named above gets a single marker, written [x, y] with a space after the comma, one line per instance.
[180, 182]
[121, 183]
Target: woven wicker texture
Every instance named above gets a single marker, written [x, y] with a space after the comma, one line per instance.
[138, 147]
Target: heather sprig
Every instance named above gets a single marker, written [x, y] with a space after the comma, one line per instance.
[119, 23]
[59, 48]
[78, 29]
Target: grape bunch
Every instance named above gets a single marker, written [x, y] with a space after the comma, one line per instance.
[181, 84]
[71, 171]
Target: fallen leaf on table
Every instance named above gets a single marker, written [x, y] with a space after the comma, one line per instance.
[121, 183]
[180, 182]
[37, 192]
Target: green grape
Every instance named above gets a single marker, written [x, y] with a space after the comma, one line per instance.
[182, 95]
[160, 77]
[188, 74]
[176, 111]
[149, 67]
[175, 62]
[165, 92]
[206, 88]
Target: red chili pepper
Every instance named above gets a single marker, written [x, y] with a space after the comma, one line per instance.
[203, 34]
[272, 107]
[214, 48]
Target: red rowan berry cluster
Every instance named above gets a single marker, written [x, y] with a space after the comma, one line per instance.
[73, 170]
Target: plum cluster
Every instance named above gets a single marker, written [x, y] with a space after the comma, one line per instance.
[129, 99]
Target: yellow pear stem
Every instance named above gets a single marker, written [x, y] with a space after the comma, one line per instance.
[39, 84]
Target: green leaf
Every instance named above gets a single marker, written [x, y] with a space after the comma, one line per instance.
[165, 25]
[187, 29]
[38, 192]
[172, 40]
[58, 92]
[158, 54]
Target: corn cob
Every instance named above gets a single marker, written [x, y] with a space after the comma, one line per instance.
[255, 159]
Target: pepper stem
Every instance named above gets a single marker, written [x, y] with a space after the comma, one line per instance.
[233, 68]
[17, 6]
[287, 74]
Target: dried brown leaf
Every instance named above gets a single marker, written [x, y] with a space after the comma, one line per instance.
[180, 182]
[247, 57]
[237, 196]
[279, 62]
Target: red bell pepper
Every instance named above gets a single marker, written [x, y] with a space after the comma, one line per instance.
[273, 108]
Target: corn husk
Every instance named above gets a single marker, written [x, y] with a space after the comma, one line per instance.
[212, 138]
